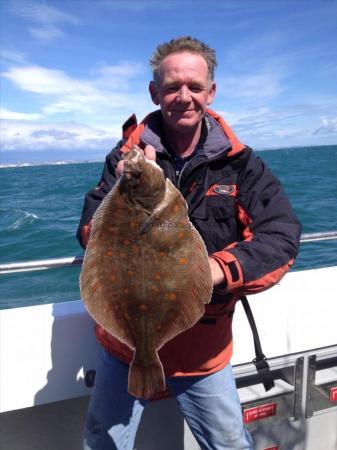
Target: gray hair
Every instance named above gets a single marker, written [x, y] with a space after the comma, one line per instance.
[183, 44]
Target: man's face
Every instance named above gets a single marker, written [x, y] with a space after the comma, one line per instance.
[183, 91]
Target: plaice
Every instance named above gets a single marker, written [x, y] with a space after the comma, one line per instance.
[145, 276]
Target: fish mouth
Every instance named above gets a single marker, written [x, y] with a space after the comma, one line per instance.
[131, 174]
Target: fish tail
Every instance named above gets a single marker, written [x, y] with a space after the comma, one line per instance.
[145, 380]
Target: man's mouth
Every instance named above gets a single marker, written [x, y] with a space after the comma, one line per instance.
[178, 111]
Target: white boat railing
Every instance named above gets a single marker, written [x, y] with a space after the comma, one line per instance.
[44, 264]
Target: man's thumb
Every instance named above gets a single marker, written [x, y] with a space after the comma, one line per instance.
[150, 152]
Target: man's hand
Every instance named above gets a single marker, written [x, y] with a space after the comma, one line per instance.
[149, 153]
[218, 276]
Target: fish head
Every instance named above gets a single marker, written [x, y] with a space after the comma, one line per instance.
[142, 181]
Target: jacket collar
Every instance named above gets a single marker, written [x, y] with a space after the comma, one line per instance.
[219, 140]
[212, 144]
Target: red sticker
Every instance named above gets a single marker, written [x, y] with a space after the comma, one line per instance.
[259, 412]
[333, 394]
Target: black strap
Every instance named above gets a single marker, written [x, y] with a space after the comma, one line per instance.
[260, 360]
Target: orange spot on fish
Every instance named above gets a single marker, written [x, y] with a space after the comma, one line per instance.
[130, 273]
[172, 296]
[162, 254]
[126, 242]
[157, 276]
[142, 307]
[176, 208]
[113, 278]
[126, 290]
[183, 261]
[109, 253]
[181, 234]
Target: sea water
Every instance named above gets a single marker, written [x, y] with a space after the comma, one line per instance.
[40, 207]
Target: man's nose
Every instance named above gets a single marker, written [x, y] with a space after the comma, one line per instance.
[184, 95]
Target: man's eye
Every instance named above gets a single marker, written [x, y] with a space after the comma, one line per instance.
[171, 89]
[195, 88]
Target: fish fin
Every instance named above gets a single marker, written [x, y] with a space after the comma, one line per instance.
[148, 223]
[146, 380]
[170, 197]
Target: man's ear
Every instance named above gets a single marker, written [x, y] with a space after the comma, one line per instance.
[154, 92]
[211, 93]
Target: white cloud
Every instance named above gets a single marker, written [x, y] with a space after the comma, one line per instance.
[102, 103]
[39, 80]
[136, 6]
[41, 12]
[118, 75]
[13, 115]
[46, 33]
[260, 86]
[328, 126]
[109, 92]
[47, 19]
[270, 127]
[34, 136]
[11, 56]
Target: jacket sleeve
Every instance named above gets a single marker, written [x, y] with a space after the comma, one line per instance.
[269, 229]
[94, 197]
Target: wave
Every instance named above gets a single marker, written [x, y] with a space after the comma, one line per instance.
[26, 218]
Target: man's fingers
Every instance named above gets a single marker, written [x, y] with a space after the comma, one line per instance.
[150, 152]
[119, 168]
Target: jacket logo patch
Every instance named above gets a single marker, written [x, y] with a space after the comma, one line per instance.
[224, 189]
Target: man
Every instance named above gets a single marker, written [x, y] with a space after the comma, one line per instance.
[250, 232]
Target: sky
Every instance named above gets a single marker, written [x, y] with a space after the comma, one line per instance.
[73, 71]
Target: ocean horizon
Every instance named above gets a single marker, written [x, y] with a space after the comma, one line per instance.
[60, 161]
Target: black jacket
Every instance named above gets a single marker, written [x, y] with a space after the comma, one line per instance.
[235, 202]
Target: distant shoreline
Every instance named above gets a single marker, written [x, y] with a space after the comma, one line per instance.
[101, 160]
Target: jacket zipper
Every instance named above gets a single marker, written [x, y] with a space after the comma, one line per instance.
[179, 174]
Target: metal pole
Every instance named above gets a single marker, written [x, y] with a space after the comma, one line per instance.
[44, 264]
[324, 236]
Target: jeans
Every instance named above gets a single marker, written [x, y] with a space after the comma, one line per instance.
[210, 405]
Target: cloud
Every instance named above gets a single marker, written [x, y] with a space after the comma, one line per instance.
[13, 115]
[119, 75]
[34, 136]
[102, 103]
[54, 134]
[260, 86]
[61, 94]
[136, 6]
[40, 80]
[271, 127]
[328, 126]
[10, 56]
[46, 33]
[46, 19]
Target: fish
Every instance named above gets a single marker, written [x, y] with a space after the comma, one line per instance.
[146, 275]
